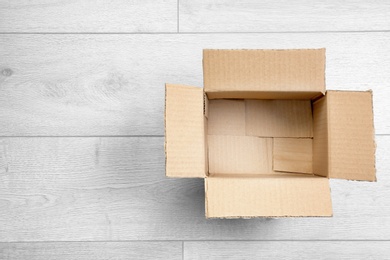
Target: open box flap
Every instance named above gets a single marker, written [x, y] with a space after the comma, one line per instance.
[350, 135]
[264, 74]
[267, 196]
[184, 131]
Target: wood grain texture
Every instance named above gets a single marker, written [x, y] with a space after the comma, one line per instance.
[287, 250]
[91, 250]
[104, 189]
[283, 16]
[78, 16]
[107, 85]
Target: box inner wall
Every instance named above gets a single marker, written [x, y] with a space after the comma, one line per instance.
[259, 137]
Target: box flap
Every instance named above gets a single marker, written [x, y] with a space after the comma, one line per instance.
[272, 196]
[279, 118]
[239, 154]
[184, 131]
[351, 135]
[270, 71]
[293, 155]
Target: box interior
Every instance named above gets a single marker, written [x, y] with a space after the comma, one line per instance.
[248, 137]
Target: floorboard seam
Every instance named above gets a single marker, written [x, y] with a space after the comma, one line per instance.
[178, 17]
[182, 250]
[78, 136]
[201, 240]
[163, 33]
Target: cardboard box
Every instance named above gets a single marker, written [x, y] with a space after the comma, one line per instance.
[266, 135]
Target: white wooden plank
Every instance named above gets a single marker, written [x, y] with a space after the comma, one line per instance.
[287, 250]
[101, 189]
[81, 85]
[283, 16]
[88, 16]
[91, 250]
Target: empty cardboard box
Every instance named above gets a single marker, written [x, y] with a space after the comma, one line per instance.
[266, 135]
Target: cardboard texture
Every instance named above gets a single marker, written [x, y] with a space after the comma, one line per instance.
[343, 144]
[320, 138]
[351, 135]
[278, 72]
[229, 197]
[239, 154]
[279, 118]
[184, 132]
[227, 117]
[265, 134]
[293, 155]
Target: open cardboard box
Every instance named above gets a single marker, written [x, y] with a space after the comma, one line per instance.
[265, 134]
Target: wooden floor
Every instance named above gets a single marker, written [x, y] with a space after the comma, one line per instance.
[81, 128]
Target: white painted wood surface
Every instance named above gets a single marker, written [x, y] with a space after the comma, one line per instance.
[110, 189]
[92, 250]
[283, 16]
[80, 16]
[107, 85]
[81, 126]
[286, 250]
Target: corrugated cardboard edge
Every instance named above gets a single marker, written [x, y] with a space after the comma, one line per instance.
[263, 95]
[268, 217]
[373, 132]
